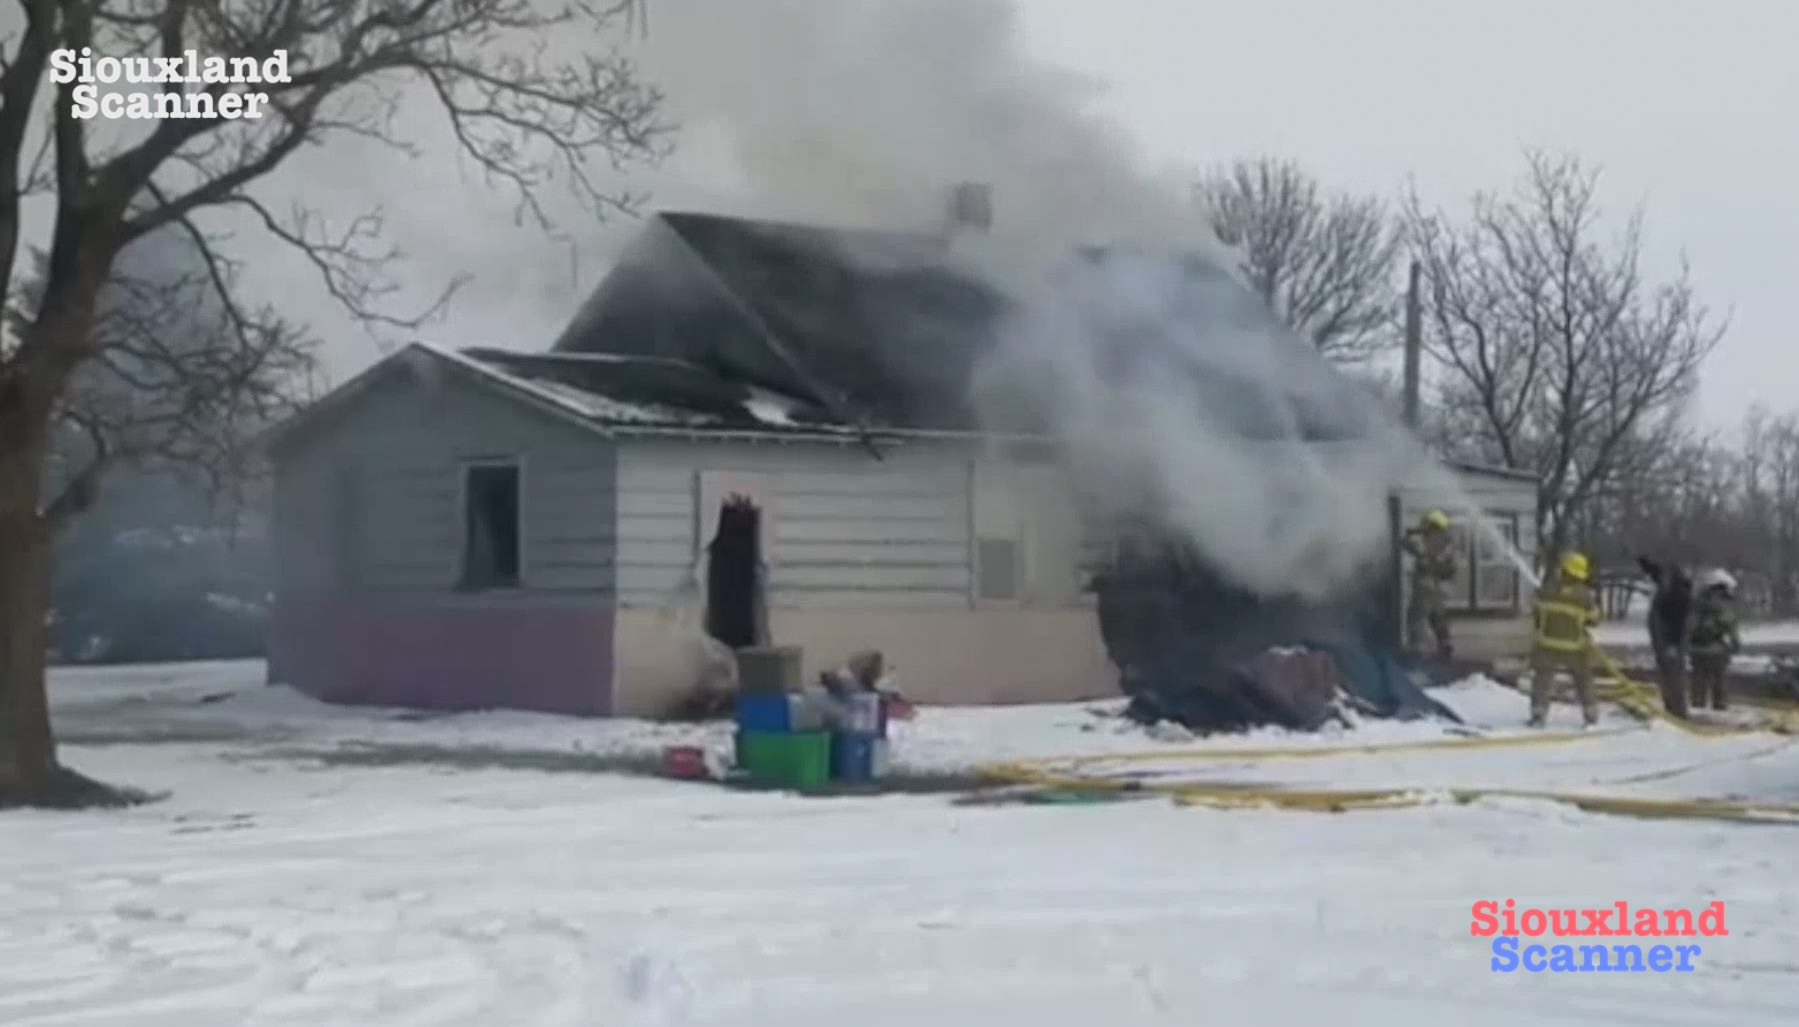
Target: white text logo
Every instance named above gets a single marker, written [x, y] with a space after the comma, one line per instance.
[215, 77]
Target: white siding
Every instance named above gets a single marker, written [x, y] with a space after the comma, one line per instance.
[1487, 633]
[842, 528]
[397, 452]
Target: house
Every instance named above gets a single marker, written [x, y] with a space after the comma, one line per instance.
[487, 528]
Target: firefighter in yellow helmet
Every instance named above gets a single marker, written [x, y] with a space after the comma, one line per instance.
[1432, 549]
[1565, 615]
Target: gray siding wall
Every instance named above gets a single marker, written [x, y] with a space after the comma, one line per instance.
[840, 527]
[843, 529]
[371, 497]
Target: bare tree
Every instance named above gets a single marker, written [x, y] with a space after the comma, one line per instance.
[1324, 264]
[1770, 499]
[1556, 355]
[93, 346]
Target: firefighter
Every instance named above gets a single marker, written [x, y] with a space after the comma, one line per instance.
[1715, 638]
[1565, 615]
[1432, 549]
[1670, 613]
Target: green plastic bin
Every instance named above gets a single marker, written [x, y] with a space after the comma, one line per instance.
[798, 759]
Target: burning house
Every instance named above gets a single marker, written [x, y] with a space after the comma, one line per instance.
[495, 528]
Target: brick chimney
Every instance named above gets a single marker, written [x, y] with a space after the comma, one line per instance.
[971, 207]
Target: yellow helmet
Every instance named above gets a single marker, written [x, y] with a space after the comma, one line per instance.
[1437, 519]
[1574, 565]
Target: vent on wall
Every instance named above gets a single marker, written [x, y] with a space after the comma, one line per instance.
[996, 569]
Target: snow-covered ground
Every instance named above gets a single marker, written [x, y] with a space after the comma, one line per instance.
[1633, 633]
[281, 884]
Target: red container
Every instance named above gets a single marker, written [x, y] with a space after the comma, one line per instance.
[686, 762]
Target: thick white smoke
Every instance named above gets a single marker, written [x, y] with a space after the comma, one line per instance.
[867, 112]
[1178, 406]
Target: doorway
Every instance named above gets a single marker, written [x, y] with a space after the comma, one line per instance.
[733, 574]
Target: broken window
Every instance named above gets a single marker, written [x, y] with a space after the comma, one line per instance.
[490, 515]
[996, 569]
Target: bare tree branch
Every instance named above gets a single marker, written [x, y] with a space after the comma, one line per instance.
[130, 338]
[1558, 356]
[1325, 265]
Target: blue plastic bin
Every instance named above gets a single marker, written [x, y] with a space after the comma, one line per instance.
[856, 756]
[765, 713]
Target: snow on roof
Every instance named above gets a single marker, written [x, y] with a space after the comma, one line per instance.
[605, 408]
[580, 402]
[770, 407]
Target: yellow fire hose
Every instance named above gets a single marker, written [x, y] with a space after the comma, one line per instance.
[1634, 697]
[1645, 703]
[1226, 795]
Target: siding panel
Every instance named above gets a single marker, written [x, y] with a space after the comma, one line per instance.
[843, 528]
[404, 444]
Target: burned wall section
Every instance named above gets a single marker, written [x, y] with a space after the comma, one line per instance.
[1193, 648]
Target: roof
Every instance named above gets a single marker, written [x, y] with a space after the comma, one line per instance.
[1491, 471]
[885, 329]
[640, 395]
[727, 325]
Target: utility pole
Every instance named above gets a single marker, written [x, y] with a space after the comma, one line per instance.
[1414, 343]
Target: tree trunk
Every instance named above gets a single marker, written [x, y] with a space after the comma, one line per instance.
[27, 746]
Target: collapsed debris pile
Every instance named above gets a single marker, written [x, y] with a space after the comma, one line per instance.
[1193, 649]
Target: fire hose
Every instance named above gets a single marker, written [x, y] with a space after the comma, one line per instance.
[1644, 702]
[1637, 699]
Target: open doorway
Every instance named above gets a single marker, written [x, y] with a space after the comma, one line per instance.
[733, 574]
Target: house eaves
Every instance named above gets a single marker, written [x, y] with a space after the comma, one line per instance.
[1490, 471]
[494, 381]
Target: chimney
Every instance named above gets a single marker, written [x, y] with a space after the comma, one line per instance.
[971, 207]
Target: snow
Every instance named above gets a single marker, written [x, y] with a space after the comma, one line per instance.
[280, 886]
[1634, 634]
[605, 408]
[580, 402]
[769, 407]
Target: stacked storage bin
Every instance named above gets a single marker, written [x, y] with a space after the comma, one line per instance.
[859, 745]
[781, 740]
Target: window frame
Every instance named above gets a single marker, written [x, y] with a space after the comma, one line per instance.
[1016, 595]
[995, 515]
[465, 472]
[1468, 603]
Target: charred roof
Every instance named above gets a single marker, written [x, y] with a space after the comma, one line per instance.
[888, 330]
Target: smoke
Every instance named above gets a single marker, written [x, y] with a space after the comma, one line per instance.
[1182, 407]
[1166, 383]
[866, 113]
[843, 112]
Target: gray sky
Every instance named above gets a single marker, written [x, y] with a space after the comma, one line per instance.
[1691, 109]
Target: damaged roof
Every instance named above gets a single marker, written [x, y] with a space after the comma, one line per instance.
[874, 330]
[724, 324]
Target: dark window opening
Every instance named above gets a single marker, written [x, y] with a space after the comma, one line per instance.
[490, 548]
[733, 559]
